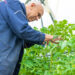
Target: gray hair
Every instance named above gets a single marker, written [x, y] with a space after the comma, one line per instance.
[36, 2]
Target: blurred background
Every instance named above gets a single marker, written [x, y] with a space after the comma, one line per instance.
[61, 9]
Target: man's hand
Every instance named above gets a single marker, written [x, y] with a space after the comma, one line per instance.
[52, 38]
[48, 37]
[56, 39]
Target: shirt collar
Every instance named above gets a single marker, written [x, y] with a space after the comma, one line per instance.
[24, 8]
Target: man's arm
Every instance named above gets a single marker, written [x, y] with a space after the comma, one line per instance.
[19, 25]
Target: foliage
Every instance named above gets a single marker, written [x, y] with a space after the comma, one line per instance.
[52, 59]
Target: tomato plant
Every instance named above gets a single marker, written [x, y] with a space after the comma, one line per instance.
[53, 59]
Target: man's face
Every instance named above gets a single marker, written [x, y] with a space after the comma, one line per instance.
[35, 13]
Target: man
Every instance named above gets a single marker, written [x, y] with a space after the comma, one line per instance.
[15, 31]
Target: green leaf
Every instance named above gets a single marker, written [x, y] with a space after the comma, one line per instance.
[46, 73]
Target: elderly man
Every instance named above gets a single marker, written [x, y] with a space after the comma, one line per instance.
[15, 33]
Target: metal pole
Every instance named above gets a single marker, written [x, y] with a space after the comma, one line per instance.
[42, 22]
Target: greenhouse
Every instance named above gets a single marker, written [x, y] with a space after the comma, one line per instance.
[54, 59]
[39, 45]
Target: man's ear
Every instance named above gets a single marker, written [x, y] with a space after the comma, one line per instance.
[33, 5]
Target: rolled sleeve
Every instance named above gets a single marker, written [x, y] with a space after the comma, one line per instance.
[42, 38]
